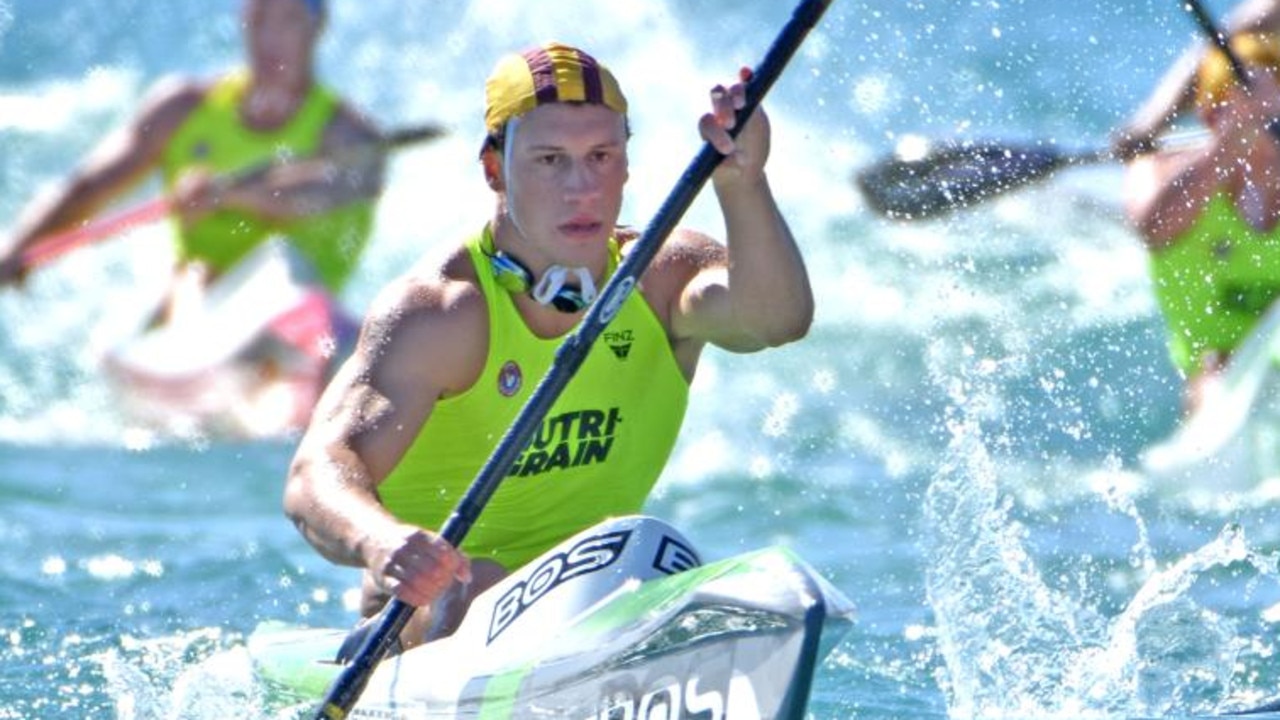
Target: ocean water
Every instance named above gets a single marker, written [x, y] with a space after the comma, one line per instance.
[956, 445]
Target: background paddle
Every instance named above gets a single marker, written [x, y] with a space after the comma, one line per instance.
[925, 182]
[350, 683]
[955, 175]
[51, 247]
[1217, 37]
[937, 180]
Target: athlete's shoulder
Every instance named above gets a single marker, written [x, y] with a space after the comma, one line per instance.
[685, 254]
[437, 296]
[177, 91]
[169, 101]
[431, 322]
[685, 249]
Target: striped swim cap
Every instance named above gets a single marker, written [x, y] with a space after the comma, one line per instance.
[552, 73]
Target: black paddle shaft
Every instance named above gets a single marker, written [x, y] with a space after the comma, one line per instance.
[956, 175]
[345, 691]
[1196, 8]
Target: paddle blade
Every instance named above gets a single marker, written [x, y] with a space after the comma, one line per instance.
[413, 134]
[949, 177]
[54, 246]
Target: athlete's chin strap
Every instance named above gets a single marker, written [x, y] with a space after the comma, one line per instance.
[553, 289]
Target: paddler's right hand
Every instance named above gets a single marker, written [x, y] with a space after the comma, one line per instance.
[1127, 144]
[13, 272]
[196, 194]
[416, 566]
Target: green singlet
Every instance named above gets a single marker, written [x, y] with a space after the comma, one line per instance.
[214, 138]
[597, 453]
[1214, 282]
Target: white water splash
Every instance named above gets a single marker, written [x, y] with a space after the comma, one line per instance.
[1015, 645]
[190, 676]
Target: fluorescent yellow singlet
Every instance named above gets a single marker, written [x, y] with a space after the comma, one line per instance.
[597, 453]
[1215, 281]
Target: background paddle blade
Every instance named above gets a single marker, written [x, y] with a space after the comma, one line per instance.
[954, 176]
[54, 246]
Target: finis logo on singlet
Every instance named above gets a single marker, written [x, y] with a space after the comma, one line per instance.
[569, 440]
[619, 342]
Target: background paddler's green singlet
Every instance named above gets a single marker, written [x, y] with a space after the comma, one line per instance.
[1215, 281]
[214, 138]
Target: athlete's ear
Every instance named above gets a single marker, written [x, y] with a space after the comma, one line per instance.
[492, 162]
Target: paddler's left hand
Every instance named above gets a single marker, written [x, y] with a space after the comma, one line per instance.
[745, 156]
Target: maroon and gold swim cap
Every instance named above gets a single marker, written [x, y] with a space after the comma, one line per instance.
[552, 73]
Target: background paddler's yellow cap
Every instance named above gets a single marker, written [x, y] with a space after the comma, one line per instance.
[1215, 75]
[552, 73]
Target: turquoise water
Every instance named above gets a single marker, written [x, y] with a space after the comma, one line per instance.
[955, 445]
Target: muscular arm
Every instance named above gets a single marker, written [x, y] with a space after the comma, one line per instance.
[758, 294]
[349, 167]
[413, 348]
[115, 165]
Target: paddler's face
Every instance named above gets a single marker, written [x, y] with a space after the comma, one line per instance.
[568, 166]
[280, 36]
